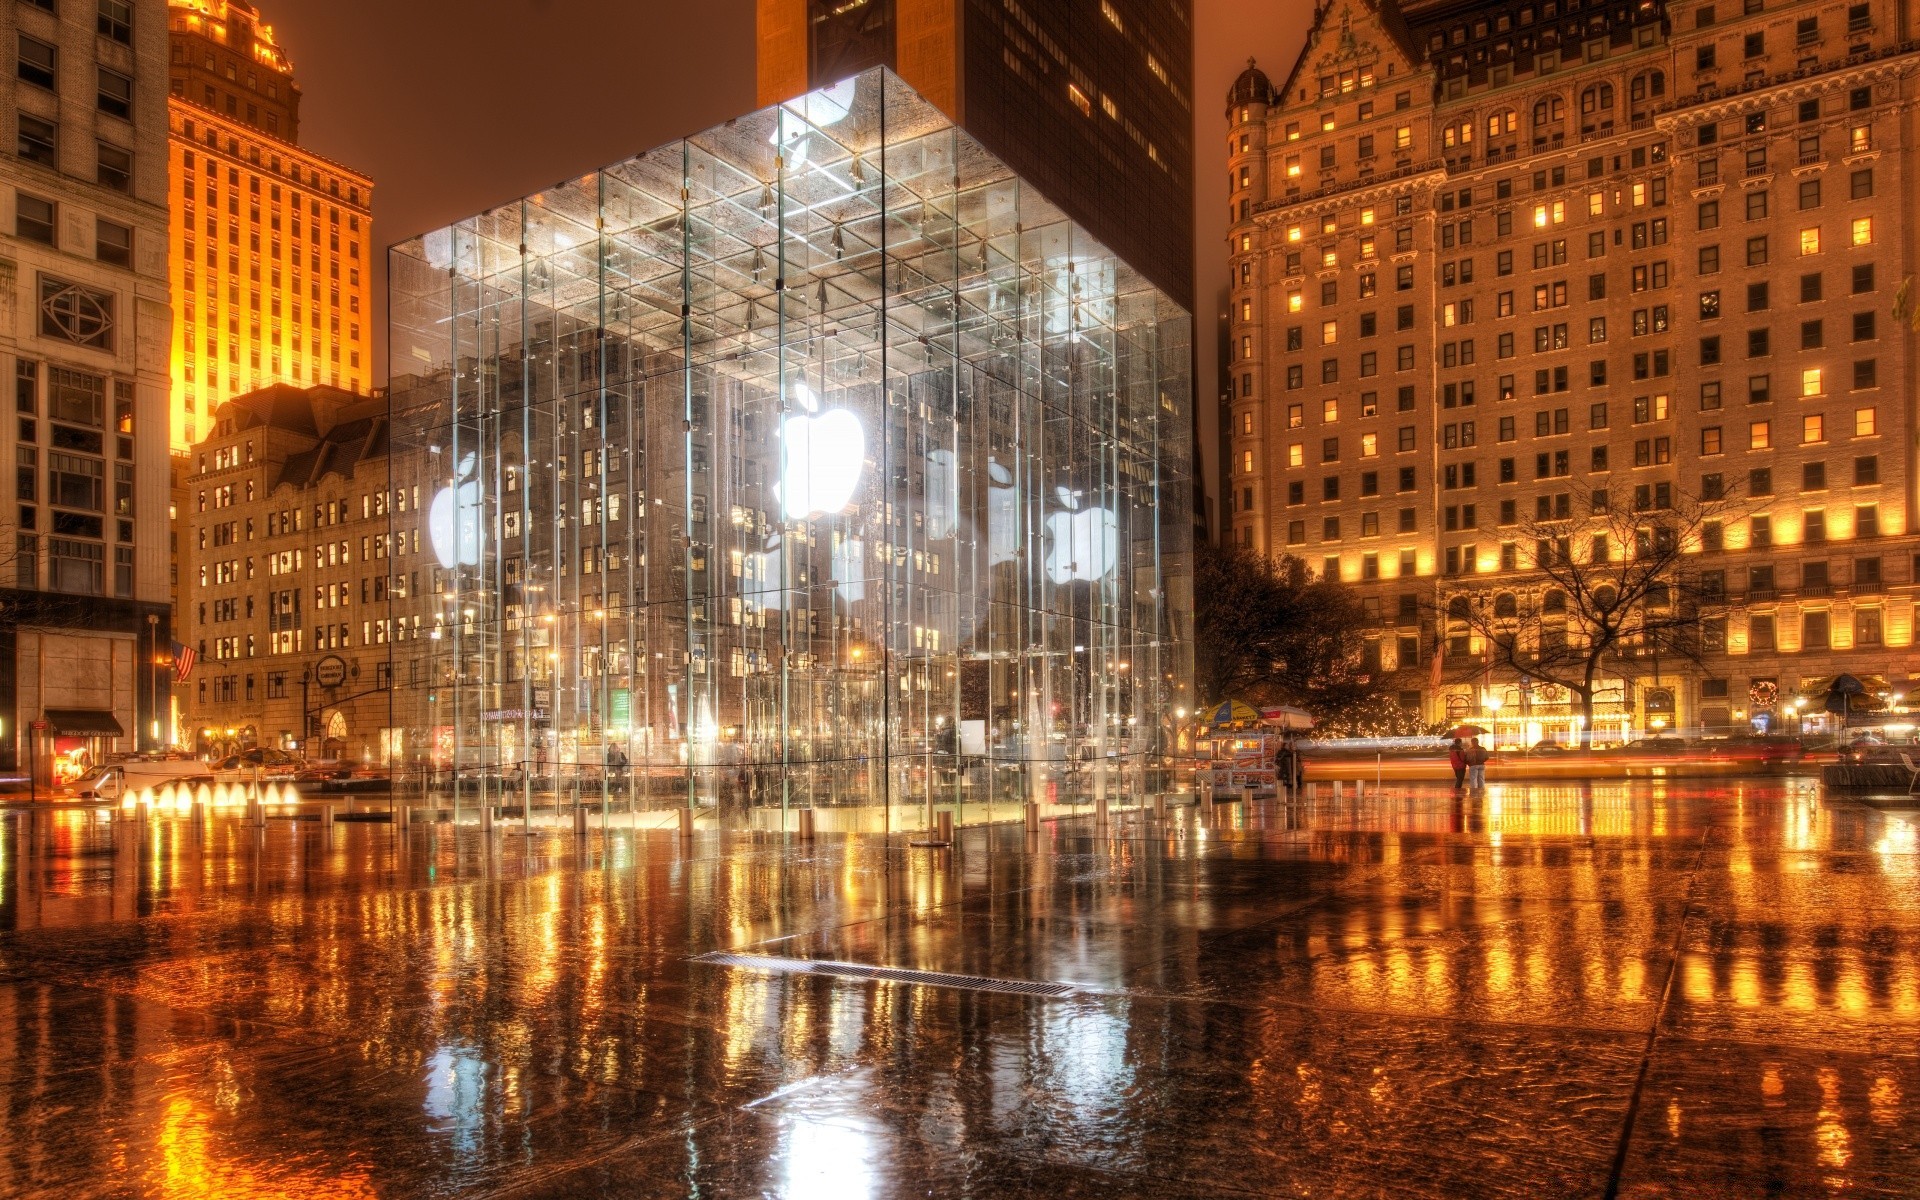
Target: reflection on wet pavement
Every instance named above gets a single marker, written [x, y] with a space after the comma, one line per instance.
[1653, 989]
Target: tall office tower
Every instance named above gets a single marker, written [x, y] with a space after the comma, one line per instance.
[1089, 100]
[1496, 263]
[83, 333]
[272, 243]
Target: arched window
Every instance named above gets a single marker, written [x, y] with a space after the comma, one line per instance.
[1457, 609]
[1505, 605]
[1647, 85]
[1549, 110]
[1597, 98]
[1502, 123]
[1554, 602]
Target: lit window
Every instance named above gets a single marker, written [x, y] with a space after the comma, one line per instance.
[1448, 315]
[1330, 257]
[1293, 131]
[1811, 383]
[1403, 138]
[1545, 214]
[1639, 195]
[1862, 231]
[1080, 100]
[1369, 445]
[1246, 242]
[1246, 310]
[1865, 422]
[1366, 247]
[1246, 462]
[1294, 301]
[1813, 428]
[1293, 166]
[1294, 233]
[1326, 122]
[1596, 204]
[1329, 334]
[1329, 410]
[1860, 139]
[1366, 216]
[1297, 455]
[1810, 240]
[1327, 224]
[1759, 435]
[1107, 11]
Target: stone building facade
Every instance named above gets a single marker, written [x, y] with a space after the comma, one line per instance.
[1489, 257]
[288, 551]
[85, 626]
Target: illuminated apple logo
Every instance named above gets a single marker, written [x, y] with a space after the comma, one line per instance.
[1082, 543]
[821, 456]
[454, 520]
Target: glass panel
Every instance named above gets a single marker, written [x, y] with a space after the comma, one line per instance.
[814, 462]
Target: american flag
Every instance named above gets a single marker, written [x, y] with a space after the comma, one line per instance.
[183, 660]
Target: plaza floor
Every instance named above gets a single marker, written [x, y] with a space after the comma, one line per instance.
[1688, 989]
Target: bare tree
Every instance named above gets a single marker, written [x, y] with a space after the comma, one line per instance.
[1595, 588]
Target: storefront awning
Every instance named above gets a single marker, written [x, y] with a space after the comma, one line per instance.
[83, 722]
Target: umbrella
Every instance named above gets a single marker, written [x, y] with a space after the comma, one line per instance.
[1232, 712]
[1288, 718]
[1466, 731]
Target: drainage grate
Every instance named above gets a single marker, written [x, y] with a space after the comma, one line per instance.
[940, 979]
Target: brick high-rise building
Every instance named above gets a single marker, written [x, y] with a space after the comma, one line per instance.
[271, 244]
[84, 620]
[1497, 260]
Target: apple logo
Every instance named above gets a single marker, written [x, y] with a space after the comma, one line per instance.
[1082, 543]
[453, 522]
[821, 455]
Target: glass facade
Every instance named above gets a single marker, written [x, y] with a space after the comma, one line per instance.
[814, 461]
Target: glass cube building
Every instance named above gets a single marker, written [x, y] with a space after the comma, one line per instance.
[814, 461]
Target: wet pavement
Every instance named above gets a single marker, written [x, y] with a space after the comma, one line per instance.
[1695, 989]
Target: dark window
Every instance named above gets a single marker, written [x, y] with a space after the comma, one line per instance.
[37, 62]
[36, 142]
[115, 168]
[116, 21]
[33, 219]
[113, 243]
[116, 94]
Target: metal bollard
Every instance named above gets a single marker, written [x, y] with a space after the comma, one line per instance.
[580, 820]
[1359, 789]
[403, 816]
[326, 818]
[486, 818]
[1033, 816]
[806, 824]
[943, 825]
[1100, 810]
[686, 823]
[1159, 806]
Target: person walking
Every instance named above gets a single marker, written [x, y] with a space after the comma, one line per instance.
[1457, 759]
[1477, 766]
[1283, 767]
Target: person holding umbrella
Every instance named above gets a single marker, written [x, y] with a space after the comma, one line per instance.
[1457, 759]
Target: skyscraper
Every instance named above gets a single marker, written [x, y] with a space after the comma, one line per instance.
[83, 321]
[1498, 265]
[1090, 100]
[271, 242]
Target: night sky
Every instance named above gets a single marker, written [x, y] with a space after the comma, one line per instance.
[456, 105]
